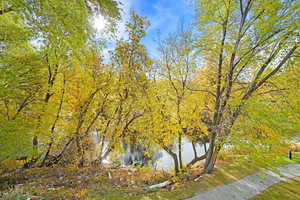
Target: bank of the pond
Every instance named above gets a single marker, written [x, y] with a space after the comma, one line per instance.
[110, 184]
[129, 183]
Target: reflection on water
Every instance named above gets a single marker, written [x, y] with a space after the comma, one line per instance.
[160, 160]
[165, 162]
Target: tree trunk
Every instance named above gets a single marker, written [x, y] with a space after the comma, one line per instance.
[35, 143]
[196, 159]
[160, 185]
[60, 155]
[36, 156]
[104, 156]
[209, 162]
[80, 152]
[175, 159]
[176, 166]
[180, 150]
[194, 149]
[46, 155]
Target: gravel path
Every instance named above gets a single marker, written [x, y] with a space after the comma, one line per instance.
[249, 186]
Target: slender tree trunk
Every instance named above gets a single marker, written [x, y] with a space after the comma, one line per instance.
[80, 152]
[35, 143]
[209, 162]
[196, 159]
[176, 165]
[194, 149]
[209, 166]
[175, 159]
[54, 123]
[104, 156]
[205, 148]
[47, 154]
[60, 155]
[180, 150]
[81, 164]
[36, 156]
[101, 148]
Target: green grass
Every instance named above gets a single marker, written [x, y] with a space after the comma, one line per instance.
[222, 176]
[289, 190]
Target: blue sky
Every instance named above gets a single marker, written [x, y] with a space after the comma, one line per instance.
[164, 16]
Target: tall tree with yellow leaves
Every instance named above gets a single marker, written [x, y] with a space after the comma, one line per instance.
[248, 41]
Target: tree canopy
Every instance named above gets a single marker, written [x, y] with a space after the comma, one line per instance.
[231, 82]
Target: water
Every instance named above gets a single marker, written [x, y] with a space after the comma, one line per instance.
[165, 162]
[160, 160]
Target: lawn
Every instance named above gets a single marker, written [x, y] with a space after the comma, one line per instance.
[94, 184]
[289, 190]
[46, 183]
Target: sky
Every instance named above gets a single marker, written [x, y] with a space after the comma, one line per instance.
[164, 16]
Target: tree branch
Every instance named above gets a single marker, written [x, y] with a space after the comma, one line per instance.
[6, 10]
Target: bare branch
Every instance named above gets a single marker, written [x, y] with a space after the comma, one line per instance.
[200, 90]
[254, 87]
[6, 10]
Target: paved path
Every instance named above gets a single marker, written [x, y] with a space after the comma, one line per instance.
[249, 186]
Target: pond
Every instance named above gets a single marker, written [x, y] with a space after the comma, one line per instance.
[161, 160]
[165, 162]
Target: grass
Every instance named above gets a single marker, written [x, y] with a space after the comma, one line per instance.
[221, 176]
[289, 190]
[94, 184]
[225, 173]
[188, 188]
[44, 183]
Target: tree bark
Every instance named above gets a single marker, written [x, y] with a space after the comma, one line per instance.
[194, 149]
[160, 185]
[196, 159]
[180, 150]
[59, 156]
[175, 159]
[209, 166]
[209, 163]
[80, 151]
[46, 155]
[104, 156]
[176, 166]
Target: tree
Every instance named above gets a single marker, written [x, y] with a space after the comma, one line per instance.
[177, 67]
[270, 120]
[20, 85]
[131, 63]
[248, 42]
[40, 38]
